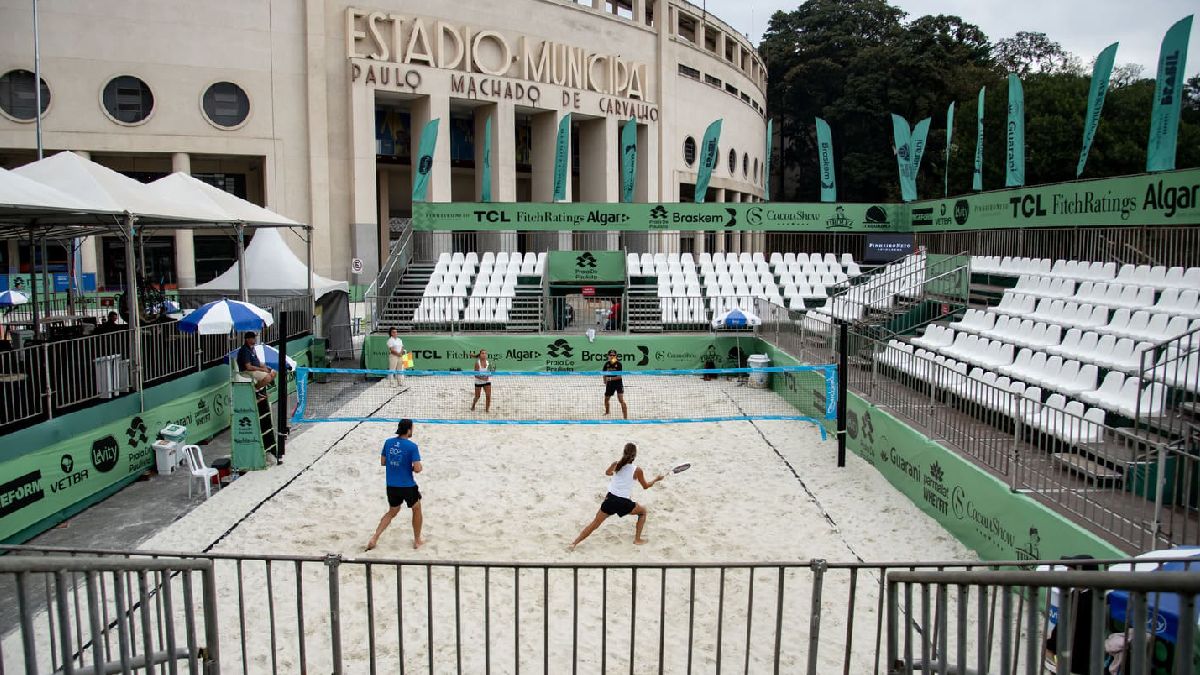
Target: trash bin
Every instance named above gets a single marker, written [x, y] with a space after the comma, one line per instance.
[166, 455]
[174, 432]
[759, 379]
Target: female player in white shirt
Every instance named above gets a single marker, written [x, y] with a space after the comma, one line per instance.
[617, 502]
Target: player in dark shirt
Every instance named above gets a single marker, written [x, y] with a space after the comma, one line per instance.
[613, 383]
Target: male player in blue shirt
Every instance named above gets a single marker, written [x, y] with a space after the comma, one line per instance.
[402, 459]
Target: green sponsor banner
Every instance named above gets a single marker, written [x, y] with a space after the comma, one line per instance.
[1168, 94]
[767, 161]
[1014, 166]
[486, 196]
[775, 217]
[562, 156]
[109, 445]
[708, 159]
[1148, 199]
[825, 161]
[425, 160]
[974, 506]
[977, 175]
[585, 267]
[949, 140]
[565, 352]
[629, 152]
[1098, 89]
[902, 143]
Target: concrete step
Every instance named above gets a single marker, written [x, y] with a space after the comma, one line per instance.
[1091, 471]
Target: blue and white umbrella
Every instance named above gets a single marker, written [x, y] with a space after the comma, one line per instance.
[736, 318]
[224, 316]
[268, 355]
[12, 298]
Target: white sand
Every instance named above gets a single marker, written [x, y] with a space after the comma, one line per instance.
[520, 494]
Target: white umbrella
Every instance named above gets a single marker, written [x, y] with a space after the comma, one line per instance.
[736, 318]
[224, 316]
[12, 298]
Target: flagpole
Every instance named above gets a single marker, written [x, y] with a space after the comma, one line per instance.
[37, 81]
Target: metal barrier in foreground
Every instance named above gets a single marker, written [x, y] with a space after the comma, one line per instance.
[919, 632]
[321, 614]
[134, 614]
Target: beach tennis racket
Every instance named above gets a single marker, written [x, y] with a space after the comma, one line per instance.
[678, 468]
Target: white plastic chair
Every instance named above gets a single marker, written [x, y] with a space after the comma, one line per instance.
[195, 459]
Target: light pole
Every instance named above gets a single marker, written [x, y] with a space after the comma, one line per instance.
[37, 81]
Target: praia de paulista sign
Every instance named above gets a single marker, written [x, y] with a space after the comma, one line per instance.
[1167, 198]
[404, 52]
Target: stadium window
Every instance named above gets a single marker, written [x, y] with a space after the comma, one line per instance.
[225, 105]
[687, 28]
[18, 100]
[756, 177]
[689, 151]
[688, 71]
[746, 98]
[745, 164]
[731, 49]
[731, 89]
[732, 161]
[127, 100]
[712, 81]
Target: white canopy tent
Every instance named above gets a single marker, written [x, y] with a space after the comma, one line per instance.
[23, 199]
[273, 271]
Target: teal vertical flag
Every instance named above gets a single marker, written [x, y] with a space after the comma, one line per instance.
[1014, 174]
[902, 137]
[920, 134]
[562, 156]
[977, 176]
[1096, 93]
[629, 152]
[767, 161]
[708, 159]
[487, 160]
[949, 140]
[424, 163]
[1168, 92]
[825, 158]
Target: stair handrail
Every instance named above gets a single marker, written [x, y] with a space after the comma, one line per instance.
[384, 285]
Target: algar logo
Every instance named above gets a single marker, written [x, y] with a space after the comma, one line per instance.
[559, 348]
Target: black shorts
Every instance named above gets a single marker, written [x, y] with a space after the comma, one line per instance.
[613, 387]
[617, 506]
[403, 495]
[480, 385]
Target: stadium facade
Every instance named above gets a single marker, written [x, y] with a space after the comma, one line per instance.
[315, 109]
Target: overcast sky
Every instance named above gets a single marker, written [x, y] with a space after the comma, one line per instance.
[1081, 26]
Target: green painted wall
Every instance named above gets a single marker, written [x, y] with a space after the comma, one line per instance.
[52, 470]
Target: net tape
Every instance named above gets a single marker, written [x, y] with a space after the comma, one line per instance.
[801, 393]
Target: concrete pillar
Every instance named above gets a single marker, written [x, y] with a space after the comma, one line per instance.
[384, 201]
[639, 11]
[89, 252]
[504, 166]
[185, 248]
[543, 135]
[365, 228]
[14, 255]
[599, 4]
[423, 110]
[599, 179]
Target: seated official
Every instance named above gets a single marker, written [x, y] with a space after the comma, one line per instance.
[250, 366]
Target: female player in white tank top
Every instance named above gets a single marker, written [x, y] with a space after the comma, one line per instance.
[617, 501]
[483, 381]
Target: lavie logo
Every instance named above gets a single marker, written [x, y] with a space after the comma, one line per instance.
[559, 348]
[105, 452]
[586, 260]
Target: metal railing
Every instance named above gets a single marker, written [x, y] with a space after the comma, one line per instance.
[1169, 246]
[935, 630]
[1172, 366]
[111, 614]
[381, 289]
[305, 613]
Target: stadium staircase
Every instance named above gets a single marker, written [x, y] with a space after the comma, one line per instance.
[398, 312]
[643, 313]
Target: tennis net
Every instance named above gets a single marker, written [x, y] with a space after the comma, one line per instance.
[576, 397]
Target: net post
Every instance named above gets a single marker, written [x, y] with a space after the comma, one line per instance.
[281, 386]
[842, 377]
